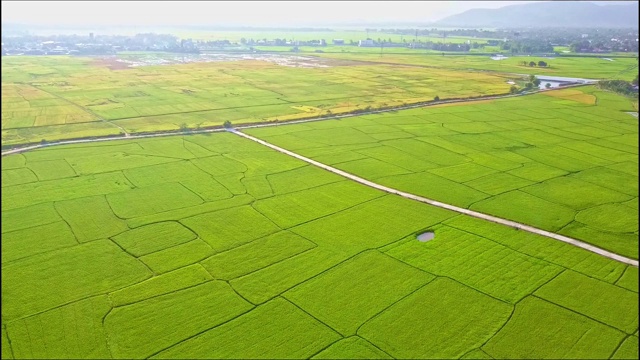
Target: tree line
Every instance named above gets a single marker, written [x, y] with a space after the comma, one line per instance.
[620, 86]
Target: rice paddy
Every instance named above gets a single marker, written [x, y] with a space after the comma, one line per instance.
[296, 263]
[579, 67]
[214, 246]
[63, 97]
[555, 166]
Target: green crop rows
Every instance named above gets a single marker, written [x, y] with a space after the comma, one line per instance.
[213, 246]
[566, 164]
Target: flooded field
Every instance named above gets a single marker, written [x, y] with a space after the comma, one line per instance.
[135, 60]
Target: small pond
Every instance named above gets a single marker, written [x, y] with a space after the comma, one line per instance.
[426, 236]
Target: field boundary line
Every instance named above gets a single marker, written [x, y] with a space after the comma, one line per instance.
[439, 204]
[88, 111]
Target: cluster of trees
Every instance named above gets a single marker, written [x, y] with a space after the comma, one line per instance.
[527, 46]
[533, 63]
[448, 47]
[620, 86]
[533, 82]
[595, 46]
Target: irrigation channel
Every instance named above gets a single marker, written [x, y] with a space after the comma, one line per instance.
[476, 214]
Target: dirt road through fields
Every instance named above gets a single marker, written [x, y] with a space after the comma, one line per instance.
[476, 214]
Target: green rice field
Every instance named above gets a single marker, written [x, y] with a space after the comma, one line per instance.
[625, 68]
[213, 246]
[564, 161]
[207, 246]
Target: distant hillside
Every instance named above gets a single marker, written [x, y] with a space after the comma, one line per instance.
[549, 14]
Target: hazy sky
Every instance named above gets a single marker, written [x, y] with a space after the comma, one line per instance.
[249, 13]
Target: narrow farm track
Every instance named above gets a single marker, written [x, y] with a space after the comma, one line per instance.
[476, 214]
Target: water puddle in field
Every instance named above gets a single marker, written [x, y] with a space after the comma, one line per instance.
[426, 236]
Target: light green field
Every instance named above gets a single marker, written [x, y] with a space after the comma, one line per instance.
[580, 67]
[201, 255]
[55, 98]
[564, 161]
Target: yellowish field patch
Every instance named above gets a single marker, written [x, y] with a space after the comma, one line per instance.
[308, 109]
[574, 95]
[42, 91]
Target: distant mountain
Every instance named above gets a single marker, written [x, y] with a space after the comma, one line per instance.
[575, 14]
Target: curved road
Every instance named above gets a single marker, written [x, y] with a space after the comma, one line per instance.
[476, 214]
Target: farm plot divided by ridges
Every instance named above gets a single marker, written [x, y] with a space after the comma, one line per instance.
[568, 167]
[54, 98]
[533, 322]
[185, 258]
